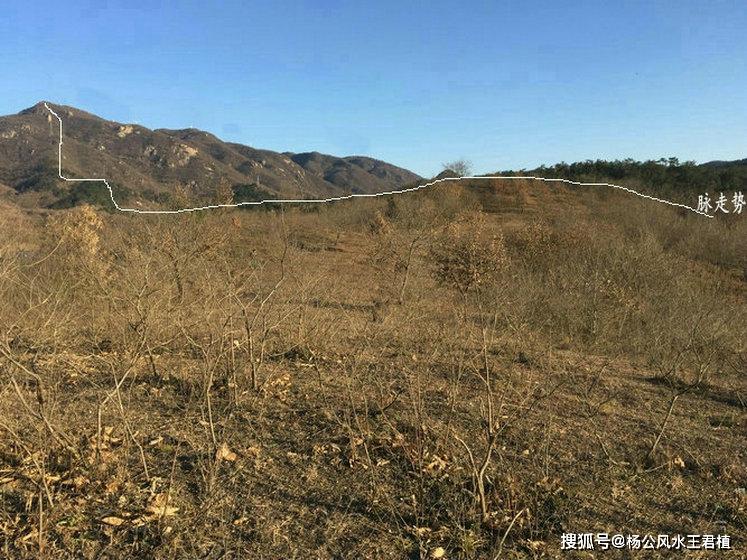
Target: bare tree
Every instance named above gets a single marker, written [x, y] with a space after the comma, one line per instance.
[462, 167]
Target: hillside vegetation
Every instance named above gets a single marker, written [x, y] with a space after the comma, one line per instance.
[666, 176]
[466, 372]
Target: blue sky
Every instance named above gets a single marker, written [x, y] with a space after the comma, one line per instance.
[503, 84]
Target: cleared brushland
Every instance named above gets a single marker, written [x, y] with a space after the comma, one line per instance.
[463, 371]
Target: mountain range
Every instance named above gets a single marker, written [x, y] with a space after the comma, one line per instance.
[175, 168]
[153, 168]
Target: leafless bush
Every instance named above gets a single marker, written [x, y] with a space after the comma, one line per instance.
[467, 255]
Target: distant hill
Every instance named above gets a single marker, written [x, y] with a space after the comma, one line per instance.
[732, 163]
[356, 174]
[148, 167]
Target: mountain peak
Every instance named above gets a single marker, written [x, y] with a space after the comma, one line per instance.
[36, 108]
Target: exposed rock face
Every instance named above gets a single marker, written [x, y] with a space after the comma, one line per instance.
[183, 154]
[124, 130]
[147, 166]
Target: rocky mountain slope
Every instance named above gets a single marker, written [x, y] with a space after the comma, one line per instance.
[161, 168]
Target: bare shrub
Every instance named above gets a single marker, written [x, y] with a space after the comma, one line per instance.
[467, 254]
[78, 235]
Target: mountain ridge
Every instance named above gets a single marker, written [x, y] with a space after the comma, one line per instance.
[148, 167]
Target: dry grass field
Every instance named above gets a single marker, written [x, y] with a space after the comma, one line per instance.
[463, 373]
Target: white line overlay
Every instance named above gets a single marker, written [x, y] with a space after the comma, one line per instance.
[357, 195]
